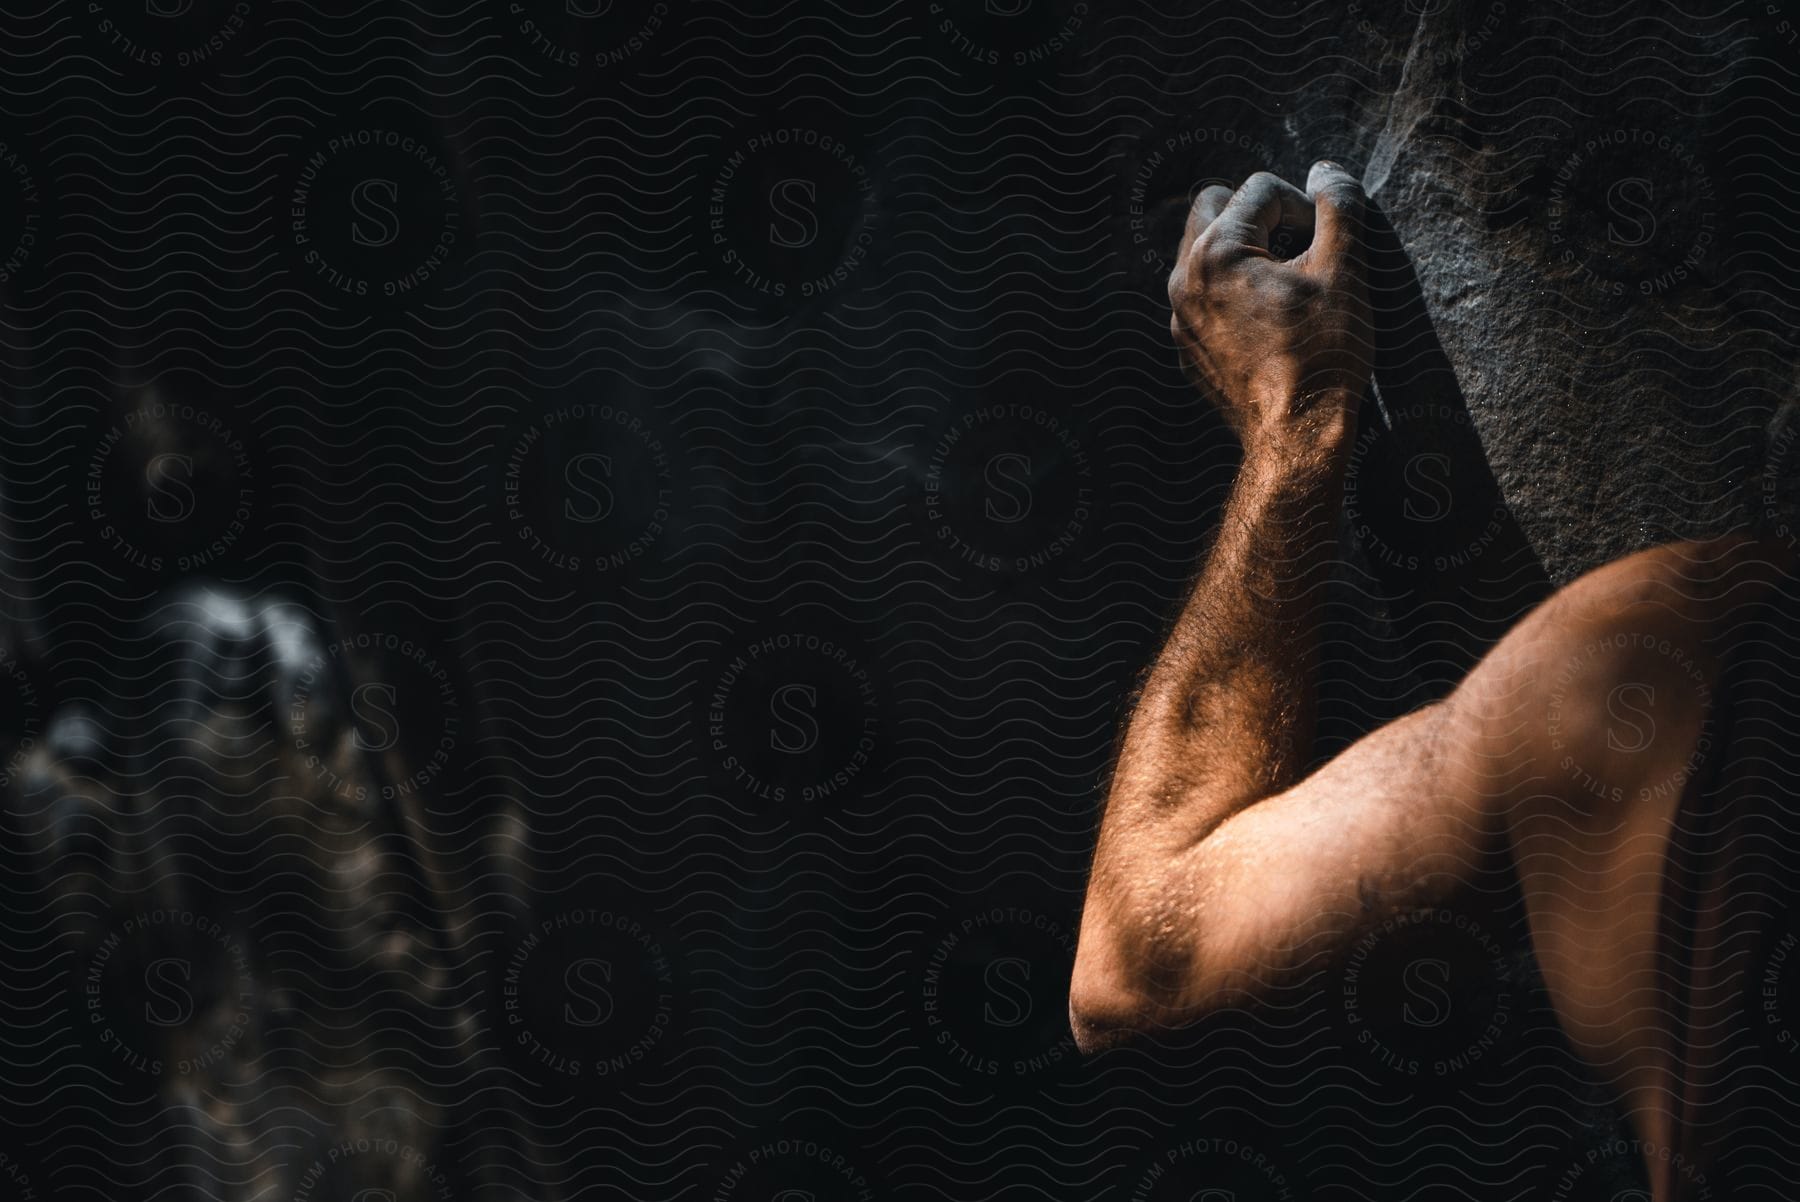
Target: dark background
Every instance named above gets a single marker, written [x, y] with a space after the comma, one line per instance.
[624, 715]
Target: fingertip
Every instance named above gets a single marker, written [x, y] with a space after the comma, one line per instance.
[1343, 210]
[1204, 211]
[1332, 179]
[1214, 197]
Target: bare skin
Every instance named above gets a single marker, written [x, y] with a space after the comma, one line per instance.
[1226, 864]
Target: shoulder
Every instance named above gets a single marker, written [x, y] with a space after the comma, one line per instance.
[1594, 689]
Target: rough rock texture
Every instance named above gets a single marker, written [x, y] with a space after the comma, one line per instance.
[1598, 217]
[1599, 262]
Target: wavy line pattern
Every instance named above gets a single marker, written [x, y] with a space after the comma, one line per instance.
[572, 567]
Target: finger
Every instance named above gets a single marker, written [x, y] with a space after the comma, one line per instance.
[1263, 203]
[1206, 209]
[1340, 204]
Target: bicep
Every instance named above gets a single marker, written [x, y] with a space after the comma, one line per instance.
[1398, 820]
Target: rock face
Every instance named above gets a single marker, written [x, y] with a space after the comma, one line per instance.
[570, 570]
[1615, 308]
[1572, 186]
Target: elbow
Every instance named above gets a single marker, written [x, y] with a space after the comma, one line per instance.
[1112, 1000]
[1098, 1020]
[1116, 1013]
[1128, 986]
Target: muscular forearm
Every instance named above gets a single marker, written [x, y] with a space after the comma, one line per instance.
[1226, 715]
[1225, 720]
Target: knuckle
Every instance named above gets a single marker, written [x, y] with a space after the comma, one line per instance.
[1211, 250]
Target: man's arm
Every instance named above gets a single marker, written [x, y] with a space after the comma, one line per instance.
[1226, 714]
[1218, 869]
